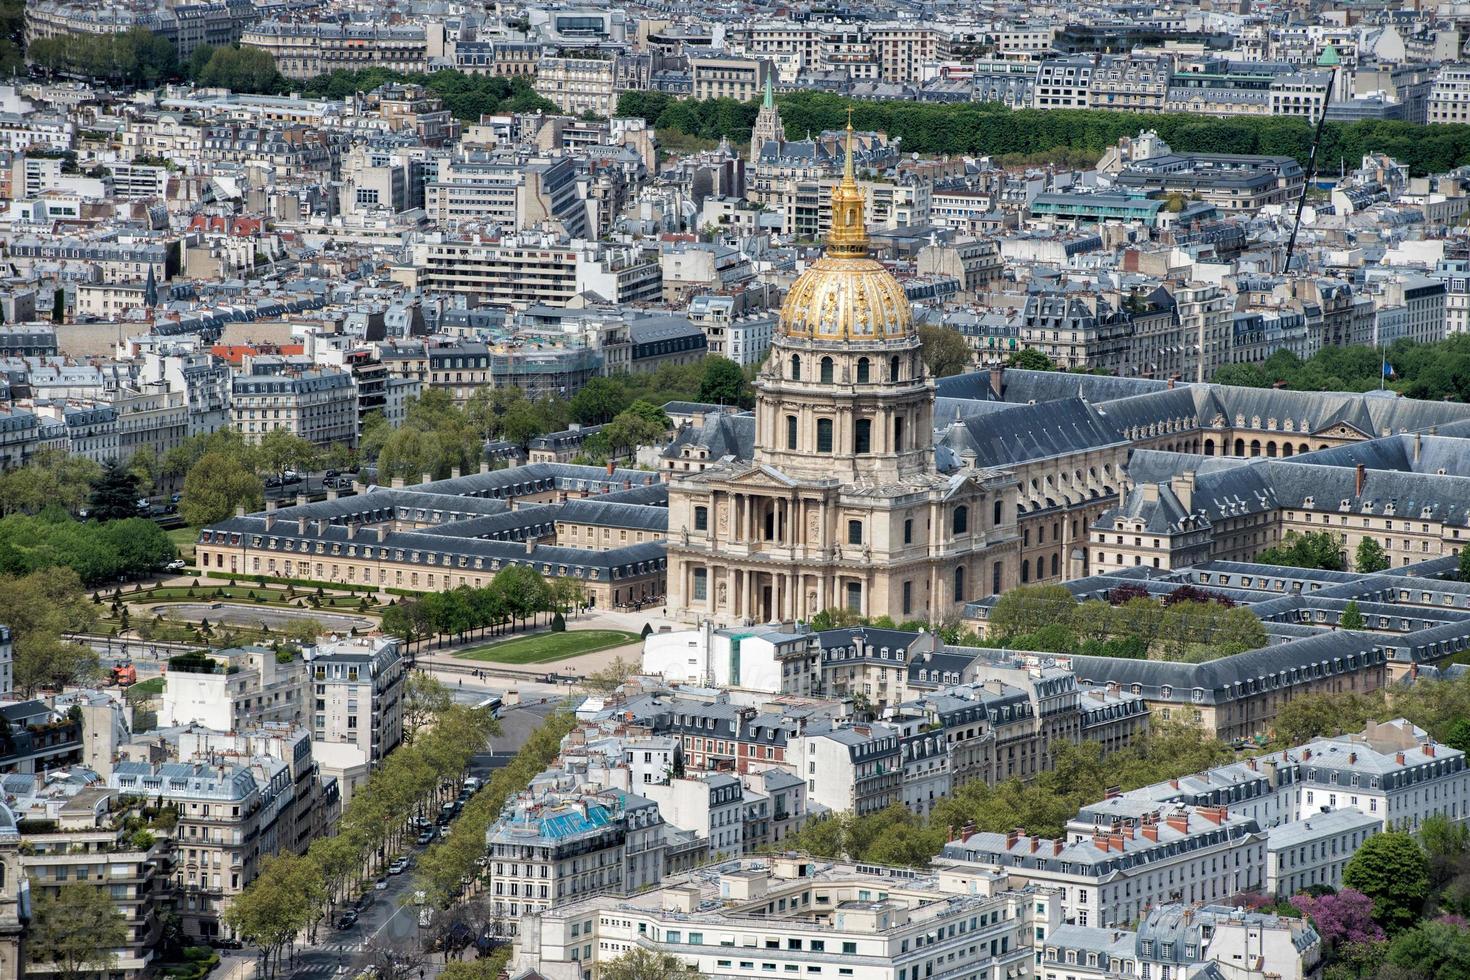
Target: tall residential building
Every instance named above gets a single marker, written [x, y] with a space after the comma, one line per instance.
[319, 405]
[357, 702]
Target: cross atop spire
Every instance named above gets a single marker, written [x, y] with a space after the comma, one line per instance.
[847, 172]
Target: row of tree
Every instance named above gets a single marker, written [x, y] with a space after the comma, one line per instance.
[292, 893]
[516, 594]
[97, 551]
[468, 97]
[1432, 371]
[1189, 624]
[988, 128]
[1079, 774]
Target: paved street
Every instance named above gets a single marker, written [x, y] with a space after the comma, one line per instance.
[391, 921]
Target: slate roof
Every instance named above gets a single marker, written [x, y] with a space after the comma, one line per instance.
[1030, 432]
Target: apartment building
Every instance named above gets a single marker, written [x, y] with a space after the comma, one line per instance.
[515, 193]
[856, 769]
[80, 830]
[357, 689]
[519, 271]
[755, 917]
[1147, 855]
[579, 83]
[1312, 852]
[711, 805]
[229, 820]
[552, 851]
[318, 404]
[235, 689]
[741, 79]
[1449, 96]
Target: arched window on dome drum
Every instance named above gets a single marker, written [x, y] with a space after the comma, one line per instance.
[959, 584]
[893, 368]
[824, 435]
[862, 370]
[826, 370]
[863, 436]
[795, 367]
[791, 432]
[961, 521]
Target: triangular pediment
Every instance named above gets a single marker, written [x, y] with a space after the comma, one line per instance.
[762, 476]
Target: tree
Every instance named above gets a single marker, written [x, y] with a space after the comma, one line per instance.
[424, 699]
[611, 677]
[723, 383]
[114, 495]
[217, 484]
[1030, 359]
[241, 70]
[1030, 608]
[40, 607]
[1465, 564]
[1433, 950]
[644, 964]
[283, 900]
[944, 350]
[281, 450]
[1458, 736]
[1371, 557]
[640, 424]
[1352, 618]
[1392, 870]
[302, 632]
[1315, 549]
[1344, 917]
[596, 402]
[76, 930]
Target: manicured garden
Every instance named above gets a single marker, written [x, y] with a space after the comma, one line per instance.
[544, 647]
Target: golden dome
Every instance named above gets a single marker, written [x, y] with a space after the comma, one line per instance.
[845, 295]
[846, 299]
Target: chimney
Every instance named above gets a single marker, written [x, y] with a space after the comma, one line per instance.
[1183, 487]
[382, 533]
[332, 494]
[270, 520]
[1179, 820]
[1150, 491]
[484, 466]
[1035, 843]
[1214, 814]
[1429, 749]
[998, 378]
[300, 525]
[1100, 841]
[1011, 837]
[1306, 755]
[397, 483]
[271, 505]
[1399, 758]
[302, 500]
[1056, 847]
[1251, 764]
[1362, 474]
[1151, 831]
[1112, 792]
[1174, 783]
[239, 510]
[627, 484]
[454, 472]
[426, 478]
[610, 468]
[351, 531]
[1418, 445]
[530, 545]
[1352, 757]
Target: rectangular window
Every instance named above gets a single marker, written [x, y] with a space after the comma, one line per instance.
[701, 584]
[701, 518]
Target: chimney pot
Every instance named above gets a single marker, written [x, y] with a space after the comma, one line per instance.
[1359, 479]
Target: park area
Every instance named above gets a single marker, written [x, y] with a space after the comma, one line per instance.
[545, 647]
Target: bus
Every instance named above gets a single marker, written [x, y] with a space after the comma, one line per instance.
[491, 704]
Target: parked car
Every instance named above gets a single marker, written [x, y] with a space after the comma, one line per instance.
[177, 565]
[398, 867]
[347, 919]
[427, 837]
[381, 885]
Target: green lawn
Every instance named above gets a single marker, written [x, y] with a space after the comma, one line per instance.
[183, 539]
[548, 646]
[244, 593]
[143, 690]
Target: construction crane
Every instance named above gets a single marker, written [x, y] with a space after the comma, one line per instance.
[1329, 60]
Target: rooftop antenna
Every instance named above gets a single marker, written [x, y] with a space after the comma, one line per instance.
[1329, 60]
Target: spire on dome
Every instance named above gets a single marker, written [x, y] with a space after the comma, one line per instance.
[849, 235]
[769, 101]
